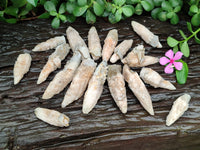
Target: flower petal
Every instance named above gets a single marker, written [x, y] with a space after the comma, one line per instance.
[169, 54]
[169, 69]
[178, 65]
[178, 55]
[164, 60]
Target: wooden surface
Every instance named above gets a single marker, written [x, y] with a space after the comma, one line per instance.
[105, 127]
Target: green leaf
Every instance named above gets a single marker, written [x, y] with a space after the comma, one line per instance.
[61, 8]
[185, 49]
[174, 19]
[11, 21]
[3, 3]
[180, 45]
[63, 18]
[120, 10]
[170, 15]
[111, 18]
[155, 12]
[55, 23]
[44, 15]
[157, 3]
[11, 10]
[162, 16]
[114, 10]
[197, 39]
[191, 2]
[174, 3]
[196, 20]
[128, 10]
[25, 10]
[182, 34]
[118, 15]
[181, 75]
[101, 2]
[180, 2]
[175, 49]
[70, 7]
[1, 13]
[98, 9]
[82, 2]
[190, 13]
[194, 8]
[90, 17]
[171, 41]
[53, 13]
[166, 6]
[33, 2]
[177, 9]
[29, 6]
[42, 2]
[79, 11]
[105, 14]
[189, 26]
[109, 7]
[18, 3]
[119, 2]
[151, 2]
[55, 2]
[147, 5]
[132, 1]
[71, 18]
[49, 6]
[138, 9]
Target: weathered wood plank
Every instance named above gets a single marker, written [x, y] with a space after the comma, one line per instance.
[105, 127]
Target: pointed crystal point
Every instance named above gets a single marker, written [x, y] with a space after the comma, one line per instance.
[151, 77]
[138, 88]
[179, 107]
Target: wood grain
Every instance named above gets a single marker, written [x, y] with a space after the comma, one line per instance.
[105, 127]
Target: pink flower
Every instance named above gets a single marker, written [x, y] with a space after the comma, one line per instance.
[171, 61]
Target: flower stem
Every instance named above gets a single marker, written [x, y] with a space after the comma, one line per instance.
[91, 2]
[194, 33]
